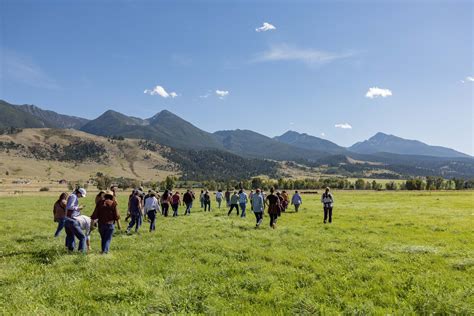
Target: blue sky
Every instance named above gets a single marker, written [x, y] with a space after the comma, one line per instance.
[309, 74]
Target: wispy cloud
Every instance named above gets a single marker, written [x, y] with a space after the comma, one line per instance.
[23, 69]
[375, 92]
[222, 93]
[159, 90]
[468, 79]
[265, 27]
[181, 60]
[309, 56]
[343, 126]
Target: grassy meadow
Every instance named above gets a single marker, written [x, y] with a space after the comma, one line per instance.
[385, 253]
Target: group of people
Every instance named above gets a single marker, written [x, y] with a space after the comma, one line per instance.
[67, 212]
[145, 207]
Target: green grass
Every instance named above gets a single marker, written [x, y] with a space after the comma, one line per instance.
[386, 252]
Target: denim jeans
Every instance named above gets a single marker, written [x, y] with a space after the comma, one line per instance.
[328, 214]
[61, 223]
[165, 208]
[106, 232]
[219, 201]
[136, 221]
[207, 206]
[175, 209]
[152, 217]
[73, 229]
[188, 208]
[258, 216]
[243, 206]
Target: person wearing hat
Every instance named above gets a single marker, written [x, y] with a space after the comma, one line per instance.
[71, 225]
[152, 206]
[106, 213]
[327, 199]
[135, 211]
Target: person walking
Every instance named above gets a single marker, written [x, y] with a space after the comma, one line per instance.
[165, 202]
[286, 200]
[188, 199]
[243, 199]
[296, 200]
[219, 197]
[251, 194]
[258, 207]
[152, 206]
[234, 203]
[72, 226]
[274, 206]
[175, 202]
[280, 209]
[59, 212]
[327, 199]
[135, 211]
[227, 197]
[201, 198]
[207, 201]
[107, 214]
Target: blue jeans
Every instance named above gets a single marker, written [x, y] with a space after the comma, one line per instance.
[136, 221]
[152, 217]
[106, 232]
[61, 223]
[188, 208]
[73, 229]
[175, 209]
[242, 207]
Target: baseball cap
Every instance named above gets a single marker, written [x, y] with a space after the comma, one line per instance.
[82, 191]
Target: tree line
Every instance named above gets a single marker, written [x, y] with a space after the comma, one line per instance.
[429, 183]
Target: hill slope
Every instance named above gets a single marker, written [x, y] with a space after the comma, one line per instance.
[381, 142]
[164, 128]
[73, 155]
[12, 116]
[309, 142]
[251, 144]
[52, 118]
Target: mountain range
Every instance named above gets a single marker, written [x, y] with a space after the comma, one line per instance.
[168, 129]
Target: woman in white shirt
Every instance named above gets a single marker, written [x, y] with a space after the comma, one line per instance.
[152, 206]
[219, 197]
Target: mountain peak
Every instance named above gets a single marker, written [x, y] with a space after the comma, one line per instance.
[382, 142]
[305, 141]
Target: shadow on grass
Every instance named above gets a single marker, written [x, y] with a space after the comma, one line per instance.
[41, 256]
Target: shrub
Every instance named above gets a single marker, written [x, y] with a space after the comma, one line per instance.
[44, 189]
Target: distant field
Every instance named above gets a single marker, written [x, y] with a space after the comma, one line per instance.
[385, 253]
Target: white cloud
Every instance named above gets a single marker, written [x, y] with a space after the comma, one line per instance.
[159, 90]
[322, 134]
[343, 126]
[375, 92]
[265, 27]
[292, 123]
[468, 79]
[309, 56]
[222, 93]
